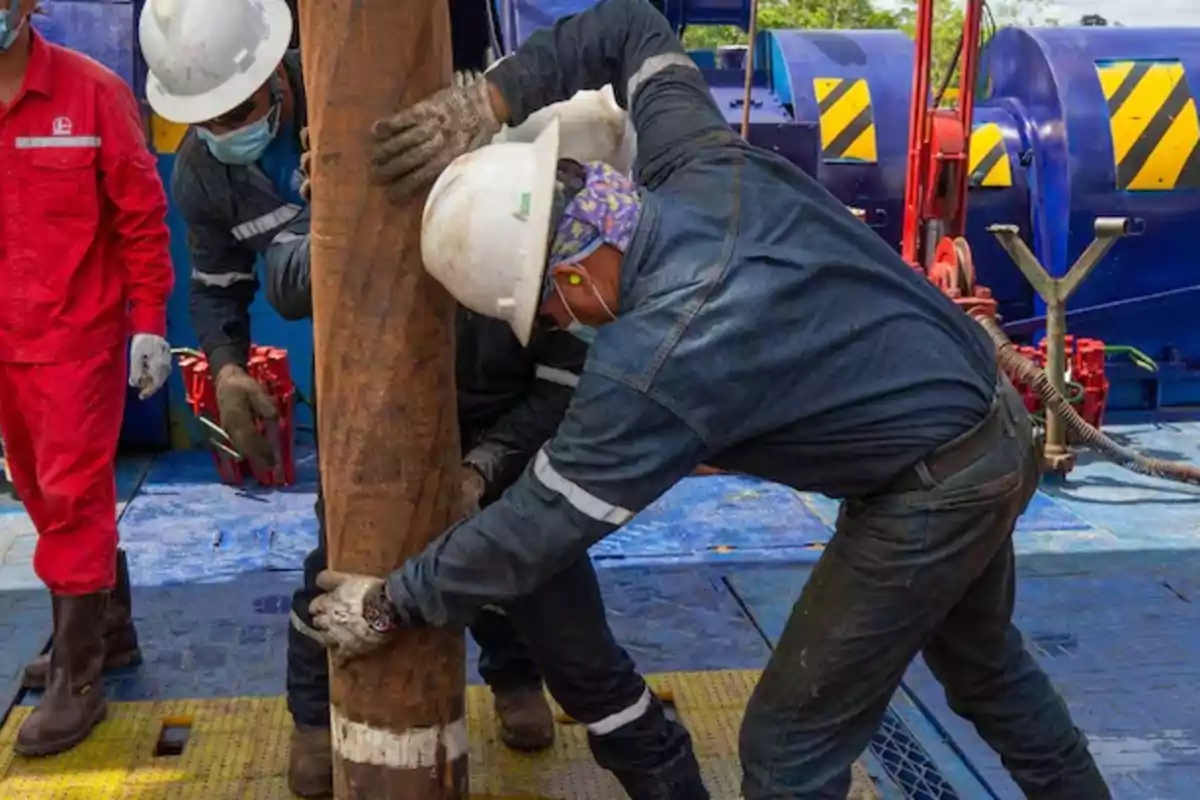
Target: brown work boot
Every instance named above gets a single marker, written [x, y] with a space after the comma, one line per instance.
[526, 722]
[120, 637]
[310, 762]
[74, 700]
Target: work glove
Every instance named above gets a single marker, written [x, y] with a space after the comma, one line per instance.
[149, 363]
[355, 617]
[242, 402]
[413, 146]
[305, 167]
[471, 491]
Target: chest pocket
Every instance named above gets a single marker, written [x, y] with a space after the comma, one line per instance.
[62, 180]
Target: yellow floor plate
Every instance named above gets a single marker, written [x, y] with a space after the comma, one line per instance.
[237, 750]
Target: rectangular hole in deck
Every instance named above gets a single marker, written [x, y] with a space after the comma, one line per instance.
[173, 736]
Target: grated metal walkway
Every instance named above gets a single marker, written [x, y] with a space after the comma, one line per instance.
[236, 749]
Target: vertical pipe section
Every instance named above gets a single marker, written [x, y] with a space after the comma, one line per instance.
[385, 378]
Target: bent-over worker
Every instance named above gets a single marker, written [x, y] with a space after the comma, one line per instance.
[746, 320]
[84, 254]
[511, 399]
[239, 184]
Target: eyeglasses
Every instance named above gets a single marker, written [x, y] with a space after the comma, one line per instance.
[235, 117]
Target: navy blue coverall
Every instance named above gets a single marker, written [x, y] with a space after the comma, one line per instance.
[236, 214]
[764, 330]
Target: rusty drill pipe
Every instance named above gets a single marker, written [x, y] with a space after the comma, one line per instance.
[385, 378]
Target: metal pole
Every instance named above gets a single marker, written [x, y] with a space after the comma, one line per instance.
[749, 70]
[385, 378]
[1055, 292]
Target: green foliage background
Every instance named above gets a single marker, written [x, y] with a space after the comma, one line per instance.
[839, 14]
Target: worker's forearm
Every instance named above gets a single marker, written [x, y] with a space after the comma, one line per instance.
[606, 44]
[221, 319]
[505, 551]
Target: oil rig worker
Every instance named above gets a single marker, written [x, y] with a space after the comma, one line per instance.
[238, 185]
[511, 399]
[746, 320]
[84, 251]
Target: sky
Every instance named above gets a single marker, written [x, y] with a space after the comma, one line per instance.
[1127, 12]
[1149, 12]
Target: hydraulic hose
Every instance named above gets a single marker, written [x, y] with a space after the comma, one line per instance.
[1030, 374]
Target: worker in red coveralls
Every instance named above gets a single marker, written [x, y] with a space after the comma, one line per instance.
[84, 265]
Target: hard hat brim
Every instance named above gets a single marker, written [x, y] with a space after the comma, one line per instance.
[191, 109]
[545, 158]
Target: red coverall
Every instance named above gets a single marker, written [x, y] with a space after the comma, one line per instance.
[84, 262]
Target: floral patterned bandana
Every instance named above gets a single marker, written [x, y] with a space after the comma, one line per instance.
[604, 211]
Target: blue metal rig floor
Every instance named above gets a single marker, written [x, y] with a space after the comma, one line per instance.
[697, 587]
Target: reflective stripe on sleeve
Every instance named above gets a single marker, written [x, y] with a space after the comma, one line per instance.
[580, 499]
[305, 629]
[267, 222]
[562, 377]
[283, 237]
[223, 279]
[654, 65]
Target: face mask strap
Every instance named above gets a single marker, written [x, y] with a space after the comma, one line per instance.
[11, 31]
[595, 293]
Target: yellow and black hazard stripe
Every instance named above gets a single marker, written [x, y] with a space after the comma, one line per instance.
[1155, 130]
[847, 121]
[989, 164]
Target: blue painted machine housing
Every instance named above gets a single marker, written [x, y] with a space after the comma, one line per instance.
[883, 59]
[1144, 292]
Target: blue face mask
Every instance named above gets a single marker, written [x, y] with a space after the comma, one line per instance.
[8, 31]
[244, 145]
[584, 333]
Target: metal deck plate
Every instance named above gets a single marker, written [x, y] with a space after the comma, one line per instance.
[237, 750]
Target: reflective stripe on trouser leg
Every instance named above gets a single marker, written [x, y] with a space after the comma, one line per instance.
[623, 717]
[596, 682]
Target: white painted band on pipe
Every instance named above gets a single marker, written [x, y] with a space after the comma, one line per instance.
[416, 748]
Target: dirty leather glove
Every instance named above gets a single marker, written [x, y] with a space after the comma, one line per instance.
[242, 402]
[305, 167]
[354, 617]
[471, 492]
[149, 363]
[413, 146]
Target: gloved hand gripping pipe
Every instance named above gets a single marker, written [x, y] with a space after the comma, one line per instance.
[1030, 374]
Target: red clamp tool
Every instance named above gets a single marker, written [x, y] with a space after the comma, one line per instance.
[268, 366]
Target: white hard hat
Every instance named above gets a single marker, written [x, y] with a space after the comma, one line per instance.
[486, 228]
[207, 57]
[594, 128]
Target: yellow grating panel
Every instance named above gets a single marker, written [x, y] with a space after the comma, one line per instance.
[237, 750]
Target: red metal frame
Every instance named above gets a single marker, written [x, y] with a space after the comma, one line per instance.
[935, 189]
[268, 366]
